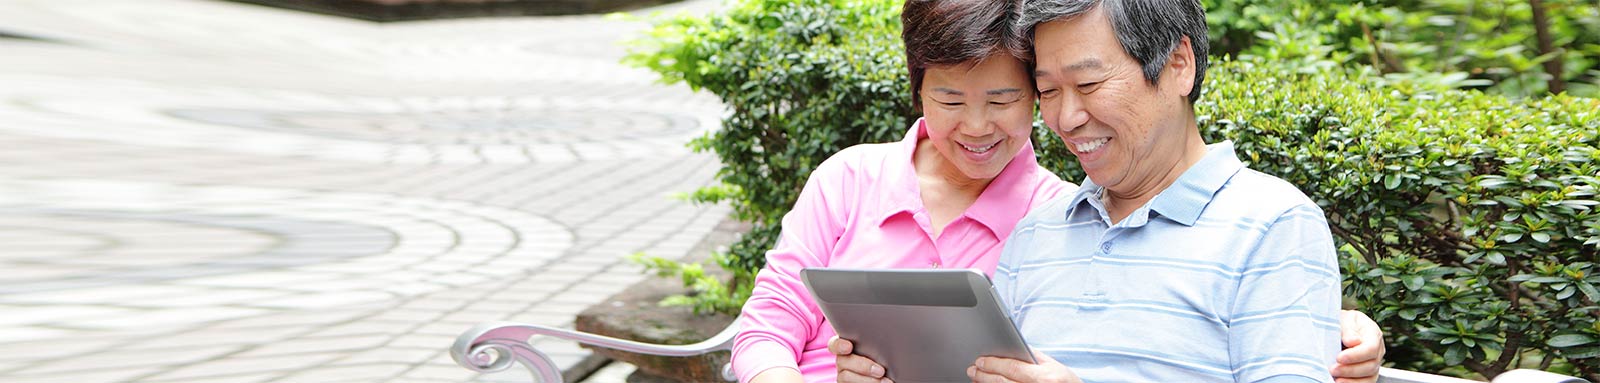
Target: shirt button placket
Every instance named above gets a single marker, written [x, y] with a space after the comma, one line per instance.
[1095, 293]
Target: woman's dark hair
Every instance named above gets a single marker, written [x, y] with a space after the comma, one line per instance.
[951, 32]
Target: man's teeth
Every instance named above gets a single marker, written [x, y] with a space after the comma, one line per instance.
[979, 149]
[1092, 145]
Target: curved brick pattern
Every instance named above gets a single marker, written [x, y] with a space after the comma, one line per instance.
[204, 191]
[634, 123]
[492, 91]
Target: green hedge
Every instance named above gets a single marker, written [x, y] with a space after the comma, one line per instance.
[1491, 45]
[1466, 221]
[801, 80]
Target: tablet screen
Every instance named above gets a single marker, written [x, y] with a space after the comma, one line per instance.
[921, 325]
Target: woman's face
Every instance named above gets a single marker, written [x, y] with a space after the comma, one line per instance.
[980, 114]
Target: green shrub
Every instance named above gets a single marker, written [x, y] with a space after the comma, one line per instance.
[1466, 221]
[801, 80]
[1491, 43]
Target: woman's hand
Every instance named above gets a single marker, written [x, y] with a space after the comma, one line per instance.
[990, 369]
[1363, 353]
[854, 368]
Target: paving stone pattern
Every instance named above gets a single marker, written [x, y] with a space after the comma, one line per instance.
[208, 191]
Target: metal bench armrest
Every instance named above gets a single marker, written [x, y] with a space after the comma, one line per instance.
[493, 346]
[1390, 375]
[1535, 376]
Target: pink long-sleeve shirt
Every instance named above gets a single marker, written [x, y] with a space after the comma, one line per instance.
[862, 208]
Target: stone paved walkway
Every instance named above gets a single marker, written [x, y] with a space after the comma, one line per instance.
[204, 191]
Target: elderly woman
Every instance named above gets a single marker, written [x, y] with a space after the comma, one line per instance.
[945, 196]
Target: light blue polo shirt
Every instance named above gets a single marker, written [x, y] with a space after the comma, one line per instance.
[1227, 275]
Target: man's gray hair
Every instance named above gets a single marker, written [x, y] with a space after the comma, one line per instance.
[1148, 29]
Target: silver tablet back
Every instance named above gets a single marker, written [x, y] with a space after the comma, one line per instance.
[921, 325]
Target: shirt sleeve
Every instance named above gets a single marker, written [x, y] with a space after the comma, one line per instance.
[1285, 315]
[781, 317]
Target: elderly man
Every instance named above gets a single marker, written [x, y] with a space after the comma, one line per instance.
[1174, 262]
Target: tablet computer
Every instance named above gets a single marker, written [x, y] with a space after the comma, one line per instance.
[921, 325]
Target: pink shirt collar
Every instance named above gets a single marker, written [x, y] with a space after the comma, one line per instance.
[1000, 206]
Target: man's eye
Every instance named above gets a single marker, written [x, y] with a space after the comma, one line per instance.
[1049, 92]
[958, 103]
[1008, 102]
[1088, 86]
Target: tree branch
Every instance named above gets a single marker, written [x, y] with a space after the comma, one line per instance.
[1541, 29]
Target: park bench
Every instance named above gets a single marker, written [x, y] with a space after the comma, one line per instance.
[494, 346]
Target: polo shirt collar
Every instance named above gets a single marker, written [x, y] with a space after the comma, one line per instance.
[1004, 202]
[1186, 198]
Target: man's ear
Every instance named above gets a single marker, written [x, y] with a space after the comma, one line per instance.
[1180, 71]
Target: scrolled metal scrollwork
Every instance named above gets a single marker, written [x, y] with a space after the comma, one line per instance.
[493, 346]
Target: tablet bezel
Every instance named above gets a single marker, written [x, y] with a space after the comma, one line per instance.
[889, 315]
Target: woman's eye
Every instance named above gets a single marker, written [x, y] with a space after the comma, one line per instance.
[1048, 92]
[949, 103]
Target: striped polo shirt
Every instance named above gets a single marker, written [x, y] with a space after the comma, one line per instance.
[1227, 275]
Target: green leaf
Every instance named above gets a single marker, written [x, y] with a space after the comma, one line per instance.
[1493, 182]
[1566, 293]
[1570, 340]
[1544, 279]
[1541, 237]
[1588, 290]
[1391, 181]
[1413, 282]
[1582, 353]
[1455, 354]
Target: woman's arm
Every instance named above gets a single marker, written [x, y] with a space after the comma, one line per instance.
[781, 318]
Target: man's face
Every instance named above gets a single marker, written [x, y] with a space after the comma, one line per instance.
[979, 115]
[1127, 133]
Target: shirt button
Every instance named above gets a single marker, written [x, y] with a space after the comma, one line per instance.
[934, 264]
[1106, 247]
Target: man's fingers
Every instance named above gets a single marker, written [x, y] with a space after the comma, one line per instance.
[1361, 352]
[1358, 372]
[1349, 380]
[1040, 357]
[840, 346]
[1348, 328]
[1005, 368]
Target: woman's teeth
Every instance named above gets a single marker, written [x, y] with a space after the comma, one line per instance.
[979, 149]
[1092, 145]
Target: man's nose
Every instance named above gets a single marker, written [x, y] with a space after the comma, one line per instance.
[1069, 112]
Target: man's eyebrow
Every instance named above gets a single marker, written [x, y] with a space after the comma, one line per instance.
[952, 92]
[997, 92]
[1089, 63]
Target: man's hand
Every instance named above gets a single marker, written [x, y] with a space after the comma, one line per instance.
[1363, 353]
[854, 368]
[990, 369]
